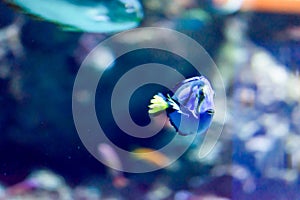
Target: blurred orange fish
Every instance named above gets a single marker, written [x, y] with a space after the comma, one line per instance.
[151, 156]
[274, 6]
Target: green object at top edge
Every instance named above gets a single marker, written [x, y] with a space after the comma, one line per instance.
[85, 15]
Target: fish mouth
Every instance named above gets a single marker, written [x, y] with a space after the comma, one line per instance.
[211, 111]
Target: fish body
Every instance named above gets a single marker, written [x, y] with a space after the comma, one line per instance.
[190, 109]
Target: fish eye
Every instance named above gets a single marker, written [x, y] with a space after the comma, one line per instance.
[210, 111]
[201, 93]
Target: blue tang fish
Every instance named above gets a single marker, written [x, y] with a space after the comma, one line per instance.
[192, 104]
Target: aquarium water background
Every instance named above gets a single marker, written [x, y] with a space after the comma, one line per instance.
[255, 49]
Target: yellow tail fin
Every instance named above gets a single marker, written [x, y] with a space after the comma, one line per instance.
[158, 104]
